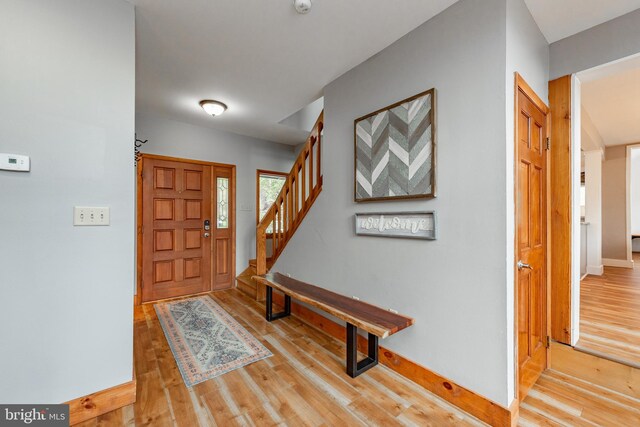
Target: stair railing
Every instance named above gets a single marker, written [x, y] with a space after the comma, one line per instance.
[301, 188]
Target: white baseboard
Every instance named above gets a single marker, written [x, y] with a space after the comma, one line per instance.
[596, 270]
[617, 262]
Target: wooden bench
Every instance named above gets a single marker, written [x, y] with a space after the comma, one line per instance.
[376, 321]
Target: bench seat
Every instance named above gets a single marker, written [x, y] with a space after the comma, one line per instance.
[376, 321]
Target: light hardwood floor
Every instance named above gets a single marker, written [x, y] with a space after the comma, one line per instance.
[610, 313]
[562, 400]
[304, 383]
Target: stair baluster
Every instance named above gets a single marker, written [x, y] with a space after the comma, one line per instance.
[301, 188]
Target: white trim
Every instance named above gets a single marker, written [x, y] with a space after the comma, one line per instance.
[625, 263]
[596, 270]
[576, 156]
[628, 202]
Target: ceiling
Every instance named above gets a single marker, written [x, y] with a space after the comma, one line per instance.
[266, 62]
[611, 96]
[558, 19]
[259, 57]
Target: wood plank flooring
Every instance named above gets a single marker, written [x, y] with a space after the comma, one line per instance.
[304, 384]
[562, 400]
[610, 314]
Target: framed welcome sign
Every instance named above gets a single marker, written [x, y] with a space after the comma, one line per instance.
[408, 225]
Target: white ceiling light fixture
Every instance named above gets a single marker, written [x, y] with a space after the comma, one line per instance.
[213, 108]
[302, 6]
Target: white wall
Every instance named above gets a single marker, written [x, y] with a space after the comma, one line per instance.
[599, 45]
[456, 287]
[172, 138]
[635, 192]
[614, 204]
[593, 210]
[67, 90]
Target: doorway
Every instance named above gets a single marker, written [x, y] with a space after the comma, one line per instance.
[186, 233]
[607, 292]
[531, 181]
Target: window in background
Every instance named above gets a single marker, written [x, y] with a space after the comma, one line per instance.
[269, 184]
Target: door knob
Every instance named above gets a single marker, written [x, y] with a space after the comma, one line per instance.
[207, 234]
[522, 265]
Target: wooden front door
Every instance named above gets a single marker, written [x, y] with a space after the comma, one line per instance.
[179, 227]
[176, 253]
[531, 236]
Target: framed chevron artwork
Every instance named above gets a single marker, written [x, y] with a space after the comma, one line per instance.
[395, 151]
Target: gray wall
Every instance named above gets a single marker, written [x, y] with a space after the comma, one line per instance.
[527, 54]
[67, 90]
[306, 117]
[603, 43]
[455, 286]
[614, 203]
[172, 138]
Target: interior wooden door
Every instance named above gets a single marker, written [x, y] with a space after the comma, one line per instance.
[531, 237]
[224, 228]
[176, 251]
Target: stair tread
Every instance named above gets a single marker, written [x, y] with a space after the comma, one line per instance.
[254, 263]
[246, 280]
[246, 289]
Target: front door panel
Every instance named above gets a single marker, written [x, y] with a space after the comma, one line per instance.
[176, 250]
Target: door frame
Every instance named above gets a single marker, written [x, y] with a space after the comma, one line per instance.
[628, 150]
[137, 300]
[521, 85]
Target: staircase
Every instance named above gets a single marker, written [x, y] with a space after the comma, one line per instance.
[301, 188]
[245, 283]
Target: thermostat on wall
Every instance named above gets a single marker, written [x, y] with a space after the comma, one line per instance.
[14, 162]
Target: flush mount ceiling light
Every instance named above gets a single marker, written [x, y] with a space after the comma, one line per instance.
[214, 108]
[302, 6]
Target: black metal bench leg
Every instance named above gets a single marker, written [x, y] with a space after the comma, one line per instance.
[269, 306]
[355, 368]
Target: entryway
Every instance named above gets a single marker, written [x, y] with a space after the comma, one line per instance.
[186, 227]
[606, 98]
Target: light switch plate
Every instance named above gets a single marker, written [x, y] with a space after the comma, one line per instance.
[90, 215]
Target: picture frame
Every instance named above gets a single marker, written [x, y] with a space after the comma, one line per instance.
[404, 225]
[395, 151]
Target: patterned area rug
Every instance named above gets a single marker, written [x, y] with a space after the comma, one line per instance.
[205, 340]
